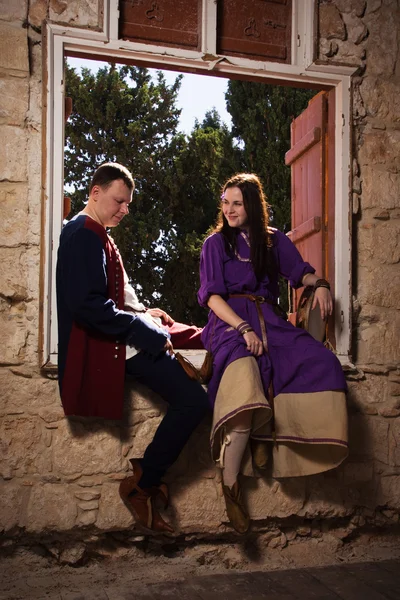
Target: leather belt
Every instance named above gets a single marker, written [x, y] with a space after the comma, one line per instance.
[258, 300]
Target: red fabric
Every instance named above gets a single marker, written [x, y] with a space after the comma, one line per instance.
[93, 383]
[185, 337]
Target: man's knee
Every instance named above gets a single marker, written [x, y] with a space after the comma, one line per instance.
[199, 401]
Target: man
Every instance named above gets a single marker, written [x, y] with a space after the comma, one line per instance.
[105, 332]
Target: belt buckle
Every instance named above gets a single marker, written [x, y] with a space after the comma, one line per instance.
[260, 299]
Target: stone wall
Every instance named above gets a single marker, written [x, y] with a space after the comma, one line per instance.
[62, 476]
[365, 34]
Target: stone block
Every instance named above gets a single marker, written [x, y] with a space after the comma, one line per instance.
[13, 10]
[269, 498]
[86, 449]
[388, 492]
[33, 234]
[140, 397]
[14, 210]
[28, 393]
[382, 44]
[380, 148]
[377, 336]
[351, 6]
[37, 12]
[34, 114]
[79, 13]
[195, 459]
[14, 273]
[13, 160]
[381, 189]
[14, 48]
[349, 54]
[144, 433]
[13, 333]
[24, 391]
[387, 295]
[373, 6]
[394, 388]
[379, 243]
[357, 31]
[112, 513]
[13, 498]
[197, 506]
[365, 395]
[380, 98]
[23, 448]
[394, 443]
[331, 24]
[326, 496]
[368, 438]
[86, 517]
[14, 101]
[88, 495]
[358, 472]
[51, 508]
[89, 505]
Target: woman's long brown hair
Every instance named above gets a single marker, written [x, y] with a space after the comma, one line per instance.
[257, 210]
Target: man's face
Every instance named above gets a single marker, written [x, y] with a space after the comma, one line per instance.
[112, 203]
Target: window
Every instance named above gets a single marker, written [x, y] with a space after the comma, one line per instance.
[201, 56]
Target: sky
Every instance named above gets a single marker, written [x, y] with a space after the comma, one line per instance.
[197, 95]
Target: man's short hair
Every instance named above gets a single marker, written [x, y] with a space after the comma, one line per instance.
[109, 172]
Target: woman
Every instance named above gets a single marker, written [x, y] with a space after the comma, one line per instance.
[274, 387]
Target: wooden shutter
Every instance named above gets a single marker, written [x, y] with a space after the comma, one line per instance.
[313, 193]
[167, 22]
[254, 29]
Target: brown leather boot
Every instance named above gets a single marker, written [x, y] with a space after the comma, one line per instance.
[162, 496]
[260, 453]
[235, 509]
[142, 503]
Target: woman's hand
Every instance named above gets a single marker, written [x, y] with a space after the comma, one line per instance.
[323, 297]
[161, 314]
[254, 344]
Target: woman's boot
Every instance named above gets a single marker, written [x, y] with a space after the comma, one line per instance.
[235, 508]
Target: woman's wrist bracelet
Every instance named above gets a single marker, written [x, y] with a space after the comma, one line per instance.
[322, 283]
[242, 325]
[247, 330]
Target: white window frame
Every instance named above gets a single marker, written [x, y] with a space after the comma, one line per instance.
[61, 40]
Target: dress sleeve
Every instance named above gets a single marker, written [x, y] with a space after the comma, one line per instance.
[84, 287]
[290, 263]
[211, 269]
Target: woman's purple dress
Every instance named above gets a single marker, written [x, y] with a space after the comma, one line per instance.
[296, 362]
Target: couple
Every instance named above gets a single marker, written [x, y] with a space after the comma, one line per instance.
[105, 332]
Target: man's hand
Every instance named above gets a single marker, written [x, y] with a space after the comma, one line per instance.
[161, 314]
[168, 348]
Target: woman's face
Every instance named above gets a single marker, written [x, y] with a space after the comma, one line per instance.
[233, 208]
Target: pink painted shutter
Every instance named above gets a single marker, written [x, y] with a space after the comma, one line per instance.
[311, 158]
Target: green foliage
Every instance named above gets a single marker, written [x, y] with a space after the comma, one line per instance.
[201, 168]
[120, 114]
[261, 116]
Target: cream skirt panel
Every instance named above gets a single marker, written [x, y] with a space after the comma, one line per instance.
[306, 432]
